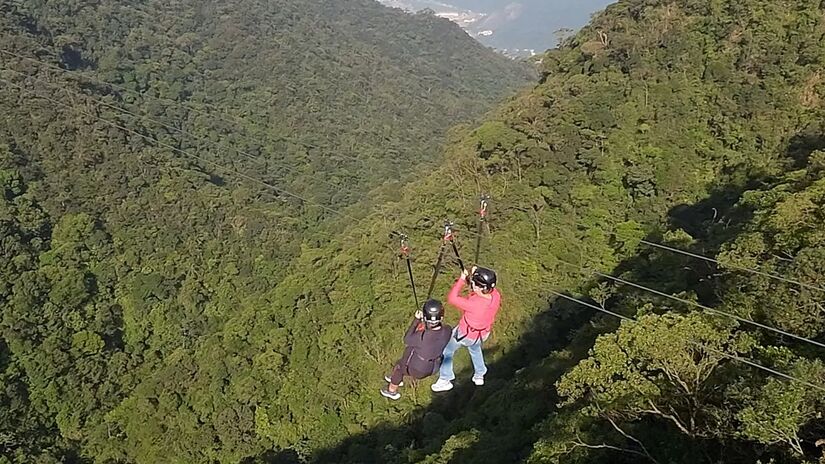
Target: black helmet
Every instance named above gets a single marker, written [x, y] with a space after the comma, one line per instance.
[433, 312]
[484, 278]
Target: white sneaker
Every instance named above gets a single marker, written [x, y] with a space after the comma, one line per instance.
[478, 380]
[442, 385]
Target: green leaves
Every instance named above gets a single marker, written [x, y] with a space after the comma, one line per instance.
[162, 310]
[777, 411]
[657, 359]
[86, 342]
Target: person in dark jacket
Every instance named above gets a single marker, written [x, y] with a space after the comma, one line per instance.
[425, 340]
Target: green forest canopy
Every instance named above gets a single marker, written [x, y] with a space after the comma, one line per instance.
[131, 224]
[693, 123]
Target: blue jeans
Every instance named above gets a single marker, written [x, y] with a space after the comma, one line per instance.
[473, 346]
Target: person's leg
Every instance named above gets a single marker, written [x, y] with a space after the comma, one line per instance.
[477, 356]
[446, 371]
[397, 376]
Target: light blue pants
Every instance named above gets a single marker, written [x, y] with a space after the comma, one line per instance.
[473, 346]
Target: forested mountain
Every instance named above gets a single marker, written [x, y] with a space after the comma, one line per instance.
[297, 84]
[134, 140]
[157, 311]
[693, 124]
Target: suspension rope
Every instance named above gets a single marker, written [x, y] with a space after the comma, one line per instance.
[712, 350]
[405, 252]
[698, 305]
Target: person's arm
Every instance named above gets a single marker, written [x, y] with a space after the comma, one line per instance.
[412, 337]
[454, 296]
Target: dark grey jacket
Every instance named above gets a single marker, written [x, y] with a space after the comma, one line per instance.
[424, 347]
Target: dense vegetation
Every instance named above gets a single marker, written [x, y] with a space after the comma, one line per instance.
[287, 89]
[690, 123]
[128, 253]
[134, 336]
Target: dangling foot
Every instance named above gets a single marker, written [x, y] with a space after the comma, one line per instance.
[442, 385]
[389, 380]
[388, 394]
[478, 380]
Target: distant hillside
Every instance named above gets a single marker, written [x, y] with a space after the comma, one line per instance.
[311, 82]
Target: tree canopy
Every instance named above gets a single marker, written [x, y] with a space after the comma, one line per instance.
[156, 309]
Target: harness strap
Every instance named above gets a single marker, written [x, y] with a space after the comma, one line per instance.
[431, 361]
[472, 329]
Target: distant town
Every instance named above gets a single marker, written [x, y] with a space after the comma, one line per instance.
[473, 22]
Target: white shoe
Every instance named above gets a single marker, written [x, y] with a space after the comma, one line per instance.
[442, 385]
[478, 380]
[389, 380]
[388, 394]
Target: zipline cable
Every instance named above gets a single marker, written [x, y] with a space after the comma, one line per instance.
[699, 305]
[712, 350]
[734, 266]
[706, 258]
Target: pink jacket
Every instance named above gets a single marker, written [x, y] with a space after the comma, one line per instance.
[478, 313]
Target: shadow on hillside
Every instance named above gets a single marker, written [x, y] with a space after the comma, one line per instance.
[499, 415]
[803, 145]
[275, 457]
[497, 422]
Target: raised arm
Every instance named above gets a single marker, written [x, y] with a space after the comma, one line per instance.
[411, 329]
[454, 297]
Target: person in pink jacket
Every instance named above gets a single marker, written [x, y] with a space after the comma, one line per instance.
[478, 312]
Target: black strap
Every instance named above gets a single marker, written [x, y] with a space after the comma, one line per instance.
[482, 218]
[405, 251]
[457, 256]
[432, 362]
[448, 237]
[472, 329]
[436, 269]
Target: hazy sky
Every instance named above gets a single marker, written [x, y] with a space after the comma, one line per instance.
[531, 23]
[523, 24]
